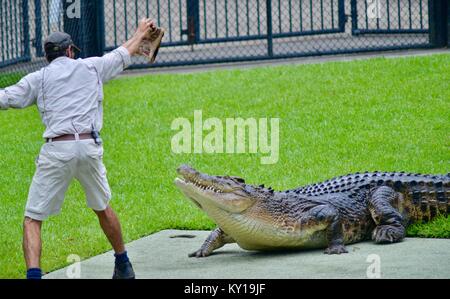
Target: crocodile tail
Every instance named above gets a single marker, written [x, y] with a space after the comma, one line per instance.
[426, 201]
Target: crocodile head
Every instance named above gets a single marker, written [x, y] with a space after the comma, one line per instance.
[216, 194]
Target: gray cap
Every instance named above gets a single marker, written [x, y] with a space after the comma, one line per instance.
[58, 41]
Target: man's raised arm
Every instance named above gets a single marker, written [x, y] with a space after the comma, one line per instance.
[112, 64]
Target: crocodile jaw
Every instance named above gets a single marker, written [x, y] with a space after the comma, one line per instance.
[207, 197]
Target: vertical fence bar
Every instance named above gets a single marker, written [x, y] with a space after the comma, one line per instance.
[421, 14]
[279, 17]
[259, 19]
[48, 17]
[60, 18]
[19, 21]
[136, 12]
[38, 28]
[147, 9]
[438, 11]
[226, 18]
[367, 17]
[19, 32]
[332, 14]
[237, 18]
[115, 23]
[410, 14]
[126, 18]
[204, 19]
[399, 15]
[16, 38]
[10, 31]
[216, 21]
[170, 21]
[290, 16]
[301, 15]
[311, 12]
[5, 30]
[248, 18]
[342, 17]
[321, 14]
[180, 13]
[193, 20]
[354, 12]
[1, 31]
[159, 12]
[26, 30]
[388, 15]
[269, 28]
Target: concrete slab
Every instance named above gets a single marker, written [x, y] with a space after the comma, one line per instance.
[163, 256]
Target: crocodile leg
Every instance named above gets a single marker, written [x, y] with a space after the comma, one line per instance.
[215, 240]
[388, 220]
[334, 232]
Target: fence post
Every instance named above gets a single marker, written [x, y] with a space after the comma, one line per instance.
[269, 28]
[193, 21]
[439, 22]
[87, 28]
[342, 17]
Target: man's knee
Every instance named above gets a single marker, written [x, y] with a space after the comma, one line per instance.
[107, 212]
[29, 222]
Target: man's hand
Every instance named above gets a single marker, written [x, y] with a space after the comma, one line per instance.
[132, 45]
[145, 25]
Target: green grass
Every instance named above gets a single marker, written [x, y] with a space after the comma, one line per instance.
[336, 118]
[9, 79]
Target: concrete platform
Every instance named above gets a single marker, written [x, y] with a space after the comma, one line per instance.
[163, 255]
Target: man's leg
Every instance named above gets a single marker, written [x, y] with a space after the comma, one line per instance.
[111, 227]
[91, 173]
[32, 245]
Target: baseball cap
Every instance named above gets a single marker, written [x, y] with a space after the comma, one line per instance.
[58, 41]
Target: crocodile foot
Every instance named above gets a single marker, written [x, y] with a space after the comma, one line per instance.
[200, 253]
[388, 234]
[336, 249]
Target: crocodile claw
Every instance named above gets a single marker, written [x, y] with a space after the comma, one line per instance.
[336, 249]
[199, 253]
[388, 234]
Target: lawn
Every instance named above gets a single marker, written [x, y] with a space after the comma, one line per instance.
[335, 118]
[10, 78]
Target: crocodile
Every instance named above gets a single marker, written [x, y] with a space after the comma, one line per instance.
[331, 214]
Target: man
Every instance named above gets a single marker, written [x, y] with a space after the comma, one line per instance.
[69, 96]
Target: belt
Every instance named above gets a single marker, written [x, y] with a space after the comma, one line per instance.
[69, 137]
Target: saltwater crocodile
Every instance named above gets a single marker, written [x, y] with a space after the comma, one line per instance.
[343, 210]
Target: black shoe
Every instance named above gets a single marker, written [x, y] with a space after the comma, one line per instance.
[123, 271]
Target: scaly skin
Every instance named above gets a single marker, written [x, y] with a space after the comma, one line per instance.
[339, 211]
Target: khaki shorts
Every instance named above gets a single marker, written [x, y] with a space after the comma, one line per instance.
[57, 164]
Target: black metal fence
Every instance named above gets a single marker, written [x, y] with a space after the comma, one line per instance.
[205, 31]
